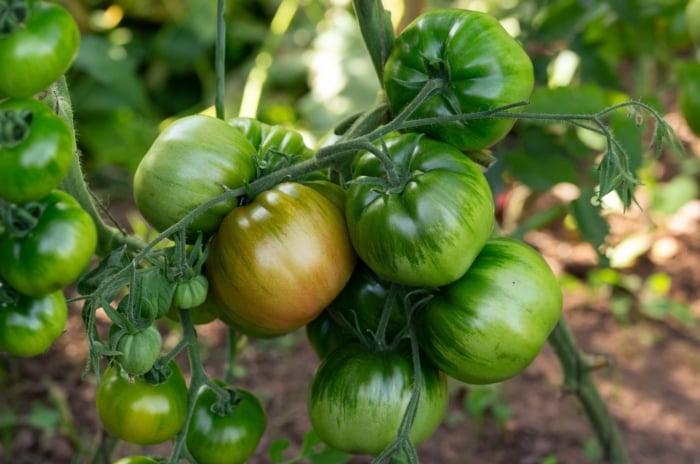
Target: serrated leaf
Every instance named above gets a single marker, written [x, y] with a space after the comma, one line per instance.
[108, 266]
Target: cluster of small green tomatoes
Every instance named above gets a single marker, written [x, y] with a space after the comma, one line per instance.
[386, 257]
[46, 238]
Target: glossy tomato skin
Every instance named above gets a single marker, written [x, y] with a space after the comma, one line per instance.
[358, 397]
[189, 163]
[427, 231]
[490, 324]
[32, 168]
[325, 334]
[38, 53]
[225, 439]
[361, 302]
[54, 252]
[277, 262]
[135, 460]
[29, 325]
[482, 67]
[139, 412]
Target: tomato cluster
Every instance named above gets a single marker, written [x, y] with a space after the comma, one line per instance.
[46, 238]
[394, 272]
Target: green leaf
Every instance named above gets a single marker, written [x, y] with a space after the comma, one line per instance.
[668, 198]
[108, 266]
[43, 418]
[585, 99]
[154, 295]
[377, 32]
[277, 449]
[593, 228]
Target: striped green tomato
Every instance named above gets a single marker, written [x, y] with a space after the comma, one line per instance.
[490, 324]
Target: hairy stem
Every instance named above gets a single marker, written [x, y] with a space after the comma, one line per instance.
[577, 380]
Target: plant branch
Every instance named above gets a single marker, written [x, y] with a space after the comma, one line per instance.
[577, 380]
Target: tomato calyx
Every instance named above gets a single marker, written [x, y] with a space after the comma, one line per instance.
[227, 400]
[14, 126]
[13, 13]
[159, 373]
[19, 221]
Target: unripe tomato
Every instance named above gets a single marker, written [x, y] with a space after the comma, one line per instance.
[139, 350]
[29, 325]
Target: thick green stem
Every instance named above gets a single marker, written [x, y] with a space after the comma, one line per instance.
[577, 380]
[108, 237]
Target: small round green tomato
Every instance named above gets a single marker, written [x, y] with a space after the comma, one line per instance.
[192, 161]
[31, 168]
[217, 438]
[481, 67]
[427, 230]
[136, 460]
[490, 324]
[136, 411]
[277, 262]
[358, 397]
[191, 293]
[54, 252]
[38, 53]
[29, 325]
[138, 350]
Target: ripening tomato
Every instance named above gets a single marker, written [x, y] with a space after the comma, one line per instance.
[277, 262]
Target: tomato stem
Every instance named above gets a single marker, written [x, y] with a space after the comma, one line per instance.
[577, 380]
[13, 13]
[220, 58]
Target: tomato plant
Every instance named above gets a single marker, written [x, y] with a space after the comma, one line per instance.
[277, 262]
[192, 161]
[36, 150]
[358, 396]
[140, 412]
[53, 251]
[225, 432]
[478, 66]
[426, 228]
[325, 334]
[39, 52]
[29, 325]
[192, 292]
[490, 324]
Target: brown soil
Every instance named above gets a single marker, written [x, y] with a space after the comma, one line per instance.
[651, 386]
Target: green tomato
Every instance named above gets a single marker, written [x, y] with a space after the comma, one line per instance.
[136, 460]
[36, 54]
[479, 65]
[31, 167]
[139, 350]
[361, 302]
[214, 437]
[191, 293]
[358, 397]
[201, 314]
[29, 325]
[195, 159]
[427, 230]
[689, 94]
[139, 412]
[325, 334]
[54, 252]
[490, 324]
[277, 262]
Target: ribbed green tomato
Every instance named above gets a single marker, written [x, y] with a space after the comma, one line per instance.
[214, 437]
[136, 411]
[358, 397]
[191, 293]
[36, 54]
[139, 350]
[277, 262]
[32, 166]
[54, 252]
[29, 325]
[192, 161]
[427, 228]
[490, 324]
[479, 67]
